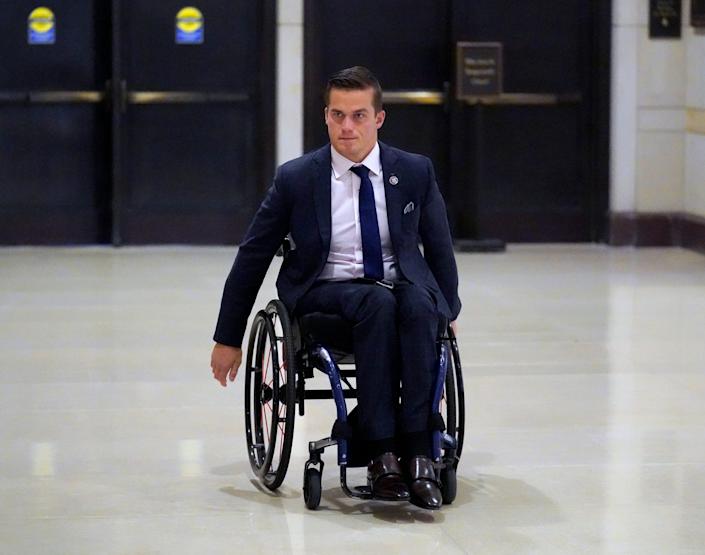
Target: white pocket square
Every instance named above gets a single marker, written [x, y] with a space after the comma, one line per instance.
[409, 208]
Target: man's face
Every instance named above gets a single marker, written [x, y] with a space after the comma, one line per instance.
[352, 122]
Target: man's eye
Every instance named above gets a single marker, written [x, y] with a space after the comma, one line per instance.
[361, 115]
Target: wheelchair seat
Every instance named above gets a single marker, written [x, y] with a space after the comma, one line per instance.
[331, 330]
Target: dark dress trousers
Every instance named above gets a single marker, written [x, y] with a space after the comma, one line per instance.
[394, 330]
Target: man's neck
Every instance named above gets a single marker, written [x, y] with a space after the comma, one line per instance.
[355, 161]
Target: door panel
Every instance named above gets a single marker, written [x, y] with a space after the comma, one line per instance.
[524, 168]
[54, 164]
[525, 163]
[190, 171]
[186, 176]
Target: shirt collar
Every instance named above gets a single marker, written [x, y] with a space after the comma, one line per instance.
[341, 164]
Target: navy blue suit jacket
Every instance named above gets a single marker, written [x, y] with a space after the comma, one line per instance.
[299, 203]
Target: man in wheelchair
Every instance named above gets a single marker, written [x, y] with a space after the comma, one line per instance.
[355, 211]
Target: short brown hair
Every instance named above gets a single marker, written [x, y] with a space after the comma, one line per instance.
[355, 78]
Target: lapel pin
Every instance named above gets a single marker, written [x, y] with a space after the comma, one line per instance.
[393, 180]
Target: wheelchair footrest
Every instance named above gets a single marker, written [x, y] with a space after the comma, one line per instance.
[363, 490]
[358, 492]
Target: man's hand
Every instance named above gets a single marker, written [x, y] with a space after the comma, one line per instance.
[225, 360]
[454, 327]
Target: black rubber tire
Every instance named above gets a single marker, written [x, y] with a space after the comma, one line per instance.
[312, 488]
[270, 390]
[449, 409]
[449, 485]
[256, 445]
[277, 311]
[456, 371]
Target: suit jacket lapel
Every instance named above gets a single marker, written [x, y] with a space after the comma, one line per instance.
[393, 193]
[321, 195]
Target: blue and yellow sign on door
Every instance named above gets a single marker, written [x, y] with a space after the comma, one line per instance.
[189, 26]
[41, 26]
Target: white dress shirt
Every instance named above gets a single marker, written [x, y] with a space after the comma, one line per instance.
[345, 255]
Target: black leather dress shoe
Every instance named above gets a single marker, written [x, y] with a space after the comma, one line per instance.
[423, 486]
[384, 476]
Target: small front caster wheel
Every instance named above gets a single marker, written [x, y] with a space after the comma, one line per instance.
[312, 488]
[449, 485]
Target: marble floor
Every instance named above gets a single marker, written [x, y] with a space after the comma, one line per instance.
[585, 379]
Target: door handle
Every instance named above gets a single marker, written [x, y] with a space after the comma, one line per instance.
[524, 99]
[184, 97]
[52, 97]
[417, 97]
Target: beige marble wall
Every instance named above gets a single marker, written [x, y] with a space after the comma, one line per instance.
[694, 185]
[658, 115]
[625, 35]
[290, 77]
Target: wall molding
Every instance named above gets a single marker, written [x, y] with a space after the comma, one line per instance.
[695, 120]
[659, 229]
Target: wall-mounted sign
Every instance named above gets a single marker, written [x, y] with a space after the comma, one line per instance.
[479, 69]
[665, 18]
[189, 26]
[697, 13]
[41, 26]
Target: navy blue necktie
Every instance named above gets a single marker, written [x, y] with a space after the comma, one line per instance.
[369, 229]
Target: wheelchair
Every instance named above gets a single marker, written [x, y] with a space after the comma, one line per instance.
[283, 352]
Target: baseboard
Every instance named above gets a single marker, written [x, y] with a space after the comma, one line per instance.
[664, 229]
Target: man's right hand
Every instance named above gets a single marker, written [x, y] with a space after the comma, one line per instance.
[225, 362]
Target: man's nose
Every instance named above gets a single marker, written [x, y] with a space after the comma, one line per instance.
[347, 123]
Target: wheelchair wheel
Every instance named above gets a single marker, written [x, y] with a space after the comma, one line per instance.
[312, 488]
[270, 394]
[449, 485]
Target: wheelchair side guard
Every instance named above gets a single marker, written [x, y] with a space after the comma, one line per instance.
[327, 364]
[460, 391]
[439, 438]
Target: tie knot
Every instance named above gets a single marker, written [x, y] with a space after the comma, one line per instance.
[360, 171]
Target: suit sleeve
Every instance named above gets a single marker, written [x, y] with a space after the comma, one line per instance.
[264, 236]
[438, 244]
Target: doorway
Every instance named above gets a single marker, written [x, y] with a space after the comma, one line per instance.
[134, 124]
[529, 164]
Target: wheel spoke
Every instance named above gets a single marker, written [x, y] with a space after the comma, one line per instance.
[281, 443]
[265, 364]
[266, 422]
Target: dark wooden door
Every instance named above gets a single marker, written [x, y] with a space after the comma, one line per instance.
[527, 165]
[54, 128]
[113, 130]
[195, 144]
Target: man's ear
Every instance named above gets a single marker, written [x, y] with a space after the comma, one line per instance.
[325, 114]
[379, 118]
